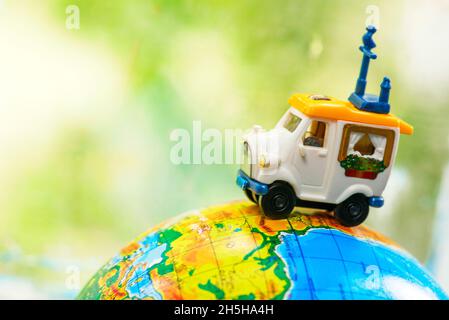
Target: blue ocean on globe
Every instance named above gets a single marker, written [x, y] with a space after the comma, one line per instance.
[329, 264]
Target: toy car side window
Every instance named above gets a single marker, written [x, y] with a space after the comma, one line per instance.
[315, 134]
[372, 146]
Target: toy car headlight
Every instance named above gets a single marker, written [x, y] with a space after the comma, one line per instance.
[268, 161]
[264, 162]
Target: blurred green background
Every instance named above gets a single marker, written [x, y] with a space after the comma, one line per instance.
[86, 114]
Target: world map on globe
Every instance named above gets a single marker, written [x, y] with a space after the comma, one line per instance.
[232, 251]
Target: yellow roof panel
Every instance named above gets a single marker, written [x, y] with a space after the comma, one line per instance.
[335, 109]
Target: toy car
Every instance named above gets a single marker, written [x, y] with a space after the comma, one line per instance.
[325, 153]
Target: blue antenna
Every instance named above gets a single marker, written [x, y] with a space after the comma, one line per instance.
[358, 98]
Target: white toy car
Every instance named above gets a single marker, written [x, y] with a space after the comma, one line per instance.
[325, 153]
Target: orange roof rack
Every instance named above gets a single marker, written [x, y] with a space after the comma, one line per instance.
[330, 108]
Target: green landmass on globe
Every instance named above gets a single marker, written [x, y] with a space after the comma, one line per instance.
[232, 251]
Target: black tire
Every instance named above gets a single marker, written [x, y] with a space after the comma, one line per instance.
[353, 211]
[279, 202]
[251, 196]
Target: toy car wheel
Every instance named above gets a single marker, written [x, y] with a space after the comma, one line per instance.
[353, 211]
[279, 202]
[251, 196]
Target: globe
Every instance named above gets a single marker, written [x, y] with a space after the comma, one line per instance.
[232, 251]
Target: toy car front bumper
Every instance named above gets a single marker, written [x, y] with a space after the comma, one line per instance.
[245, 182]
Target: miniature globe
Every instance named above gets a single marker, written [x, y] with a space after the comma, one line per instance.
[233, 252]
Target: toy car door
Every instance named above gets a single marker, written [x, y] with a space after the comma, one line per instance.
[313, 153]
